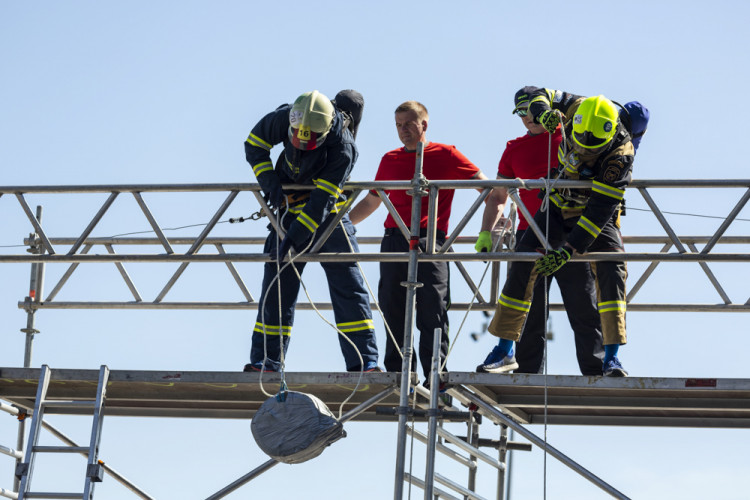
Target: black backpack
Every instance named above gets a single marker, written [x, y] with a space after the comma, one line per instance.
[351, 104]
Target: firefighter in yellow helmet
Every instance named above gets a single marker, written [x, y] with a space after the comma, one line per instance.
[597, 148]
[319, 150]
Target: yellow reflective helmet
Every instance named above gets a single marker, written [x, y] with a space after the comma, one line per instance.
[595, 122]
[310, 120]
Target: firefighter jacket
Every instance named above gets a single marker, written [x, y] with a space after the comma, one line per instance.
[327, 167]
[610, 171]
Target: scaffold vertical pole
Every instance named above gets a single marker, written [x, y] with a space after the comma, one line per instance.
[503, 457]
[417, 191]
[429, 475]
[472, 437]
[36, 289]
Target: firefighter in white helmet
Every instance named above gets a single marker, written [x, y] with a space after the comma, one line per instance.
[319, 150]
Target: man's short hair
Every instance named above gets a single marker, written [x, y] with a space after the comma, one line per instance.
[415, 106]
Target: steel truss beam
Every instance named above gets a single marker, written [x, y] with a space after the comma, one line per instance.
[44, 249]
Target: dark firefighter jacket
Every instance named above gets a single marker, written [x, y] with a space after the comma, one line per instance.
[610, 171]
[326, 167]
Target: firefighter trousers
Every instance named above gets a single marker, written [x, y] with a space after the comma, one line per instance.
[609, 277]
[578, 290]
[351, 304]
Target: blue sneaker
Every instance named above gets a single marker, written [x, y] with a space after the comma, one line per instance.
[613, 368]
[370, 367]
[258, 366]
[498, 361]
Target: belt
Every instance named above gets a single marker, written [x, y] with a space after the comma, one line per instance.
[390, 231]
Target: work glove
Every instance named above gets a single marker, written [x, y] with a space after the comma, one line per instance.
[484, 242]
[553, 260]
[549, 120]
[282, 250]
[275, 197]
[271, 186]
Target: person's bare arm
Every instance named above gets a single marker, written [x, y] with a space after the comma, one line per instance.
[494, 204]
[364, 208]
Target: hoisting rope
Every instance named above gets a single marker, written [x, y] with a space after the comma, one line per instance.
[545, 203]
[495, 246]
[279, 270]
[374, 298]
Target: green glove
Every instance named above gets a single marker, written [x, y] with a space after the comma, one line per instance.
[553, 261]
[484, 242]
[549, 120]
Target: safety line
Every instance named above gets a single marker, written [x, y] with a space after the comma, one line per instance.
[280, 269]
[495, 246]
[372, 294]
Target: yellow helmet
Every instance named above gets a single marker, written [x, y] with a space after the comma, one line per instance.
[595, 122]
[310, 120]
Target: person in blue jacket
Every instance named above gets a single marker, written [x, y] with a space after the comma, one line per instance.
[319, 151]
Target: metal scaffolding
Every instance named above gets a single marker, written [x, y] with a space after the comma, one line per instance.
[511, 400]
[78, 250]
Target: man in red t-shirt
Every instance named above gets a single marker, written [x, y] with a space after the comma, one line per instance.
[528, 157]
[440, 162]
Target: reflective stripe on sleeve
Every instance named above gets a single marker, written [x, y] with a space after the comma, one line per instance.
[607, 190]
[262, 167]
[307, 221]
[328, 187]
[589, 226]
[256, 141]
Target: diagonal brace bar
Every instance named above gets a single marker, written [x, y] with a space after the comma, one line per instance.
[465, 220]
[498, 416]
[724, 225]
[662, 220]
[267, 465]
[65, 277]
[125, 275]
[198, 243]
[235, 274]
[151, 220]
[34, 222]
[86, 232]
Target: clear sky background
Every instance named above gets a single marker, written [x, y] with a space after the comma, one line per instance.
[166, 92]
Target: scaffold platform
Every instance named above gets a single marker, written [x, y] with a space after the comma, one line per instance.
[569, 400]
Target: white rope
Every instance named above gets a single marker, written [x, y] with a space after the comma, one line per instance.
[545, 299]
[276, 278]
[279, 270]
[474, 296]
[545, 203]
[374, 298]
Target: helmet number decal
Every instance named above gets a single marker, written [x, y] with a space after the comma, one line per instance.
[303, 133]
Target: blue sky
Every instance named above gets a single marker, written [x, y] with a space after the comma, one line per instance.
[166, 92]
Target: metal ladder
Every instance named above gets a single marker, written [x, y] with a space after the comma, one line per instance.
[94, 468]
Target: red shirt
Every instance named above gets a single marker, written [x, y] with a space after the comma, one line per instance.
[440, 162]
[526, 158]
